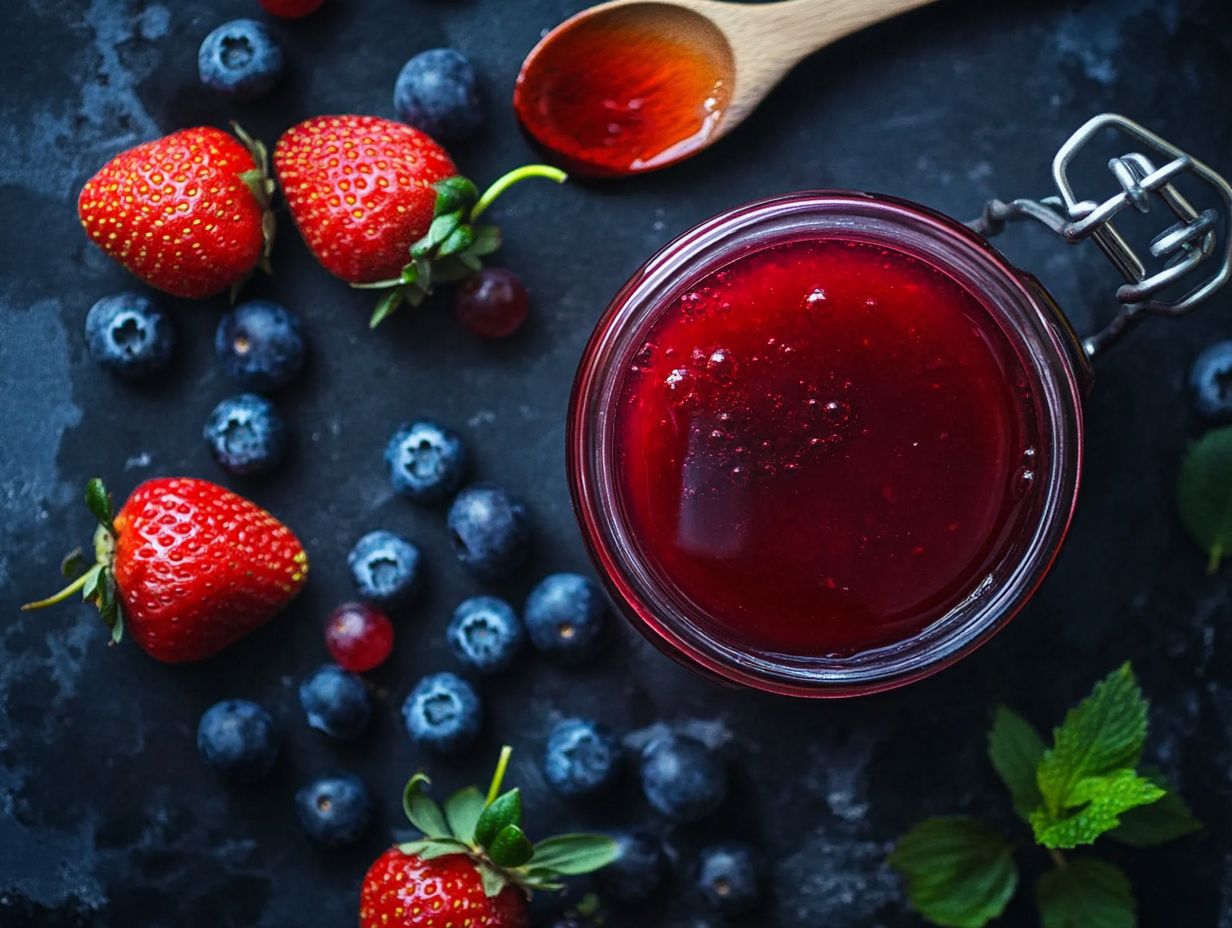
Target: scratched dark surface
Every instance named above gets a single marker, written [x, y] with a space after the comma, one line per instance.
[108, 817]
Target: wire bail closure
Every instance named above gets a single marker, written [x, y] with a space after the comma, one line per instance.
[1177, 251]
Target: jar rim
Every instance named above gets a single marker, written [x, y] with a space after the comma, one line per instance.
[1026, 313]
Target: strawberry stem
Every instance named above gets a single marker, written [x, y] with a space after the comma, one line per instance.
[73, 588]
[502, 764]
[505, 181]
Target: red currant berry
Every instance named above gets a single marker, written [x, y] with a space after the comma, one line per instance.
[359, 637]
[492, 303]
[291, 9]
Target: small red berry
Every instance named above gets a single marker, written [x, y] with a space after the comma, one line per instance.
[291, 9]
[359, 637]
[492, 303]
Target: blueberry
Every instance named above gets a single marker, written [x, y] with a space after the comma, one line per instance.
[246, 434]
[238, 739]
[1210, 379]
[442, 713]
[564, 616]
[727, 878]
[682, 778]
[336, 702]
[437, 92]
[241, 59]
[633, 877]
[485, 634]
[385, 568]
[426, 461]
[334, 809]
[489, 530]
[260, 345]
[129, 335]
[582, 758]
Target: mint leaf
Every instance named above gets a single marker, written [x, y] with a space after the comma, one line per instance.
[574, 854]
[1015, 750]
[959, 872]
[1103, 734]
[1159, 822]
[421, 810]
[1204, 494]
[1099, 801]
[1085, 894]
[501, 812]
[462, 811]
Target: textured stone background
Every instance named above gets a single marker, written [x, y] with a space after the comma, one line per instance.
[107, 817]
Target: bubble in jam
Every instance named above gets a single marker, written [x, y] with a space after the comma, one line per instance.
[826, 482]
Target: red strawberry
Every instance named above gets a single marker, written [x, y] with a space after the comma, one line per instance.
[404, 891]
[291, 9]
[475, 866]
[188, 566]
[360, 190]
[381, 206]
[187, 213]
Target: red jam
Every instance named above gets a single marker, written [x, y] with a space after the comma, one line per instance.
[824, 447]
[611, 96]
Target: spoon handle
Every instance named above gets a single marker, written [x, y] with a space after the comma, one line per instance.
[791, 29]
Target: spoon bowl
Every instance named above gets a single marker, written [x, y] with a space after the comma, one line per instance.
[636, 85]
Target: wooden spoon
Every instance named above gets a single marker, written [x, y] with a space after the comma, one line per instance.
[635, 85]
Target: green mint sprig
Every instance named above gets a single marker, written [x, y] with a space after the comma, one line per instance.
[488, 829]
[1088, 783]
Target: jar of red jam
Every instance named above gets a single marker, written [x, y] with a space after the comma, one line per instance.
[828, 443]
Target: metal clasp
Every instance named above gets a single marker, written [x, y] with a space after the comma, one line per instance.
[1177, 251]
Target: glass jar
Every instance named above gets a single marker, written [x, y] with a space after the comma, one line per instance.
[1054, 358]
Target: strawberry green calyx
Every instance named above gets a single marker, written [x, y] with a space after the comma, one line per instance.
[97, 582]
[263, 187]
[453, 248]
[488, 829]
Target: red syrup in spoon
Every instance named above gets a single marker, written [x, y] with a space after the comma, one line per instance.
[611, 95]
[825, 446]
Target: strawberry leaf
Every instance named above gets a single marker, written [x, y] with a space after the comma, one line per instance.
[487, 240]
[442, 228]
[493, 880]
[432, 848]
[462, 811]
[386, 306]
[71, 566]
[501, 812]
[454, 194]
[457, 241]
[423, 813]
[511, 847]
[574, 854]
[98, 501]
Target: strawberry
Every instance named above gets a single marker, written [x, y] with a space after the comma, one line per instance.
[474, 866]
[381, 205]
[187, 566]
[187, 213]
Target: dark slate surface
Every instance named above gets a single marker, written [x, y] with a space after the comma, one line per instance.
[109, 818]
